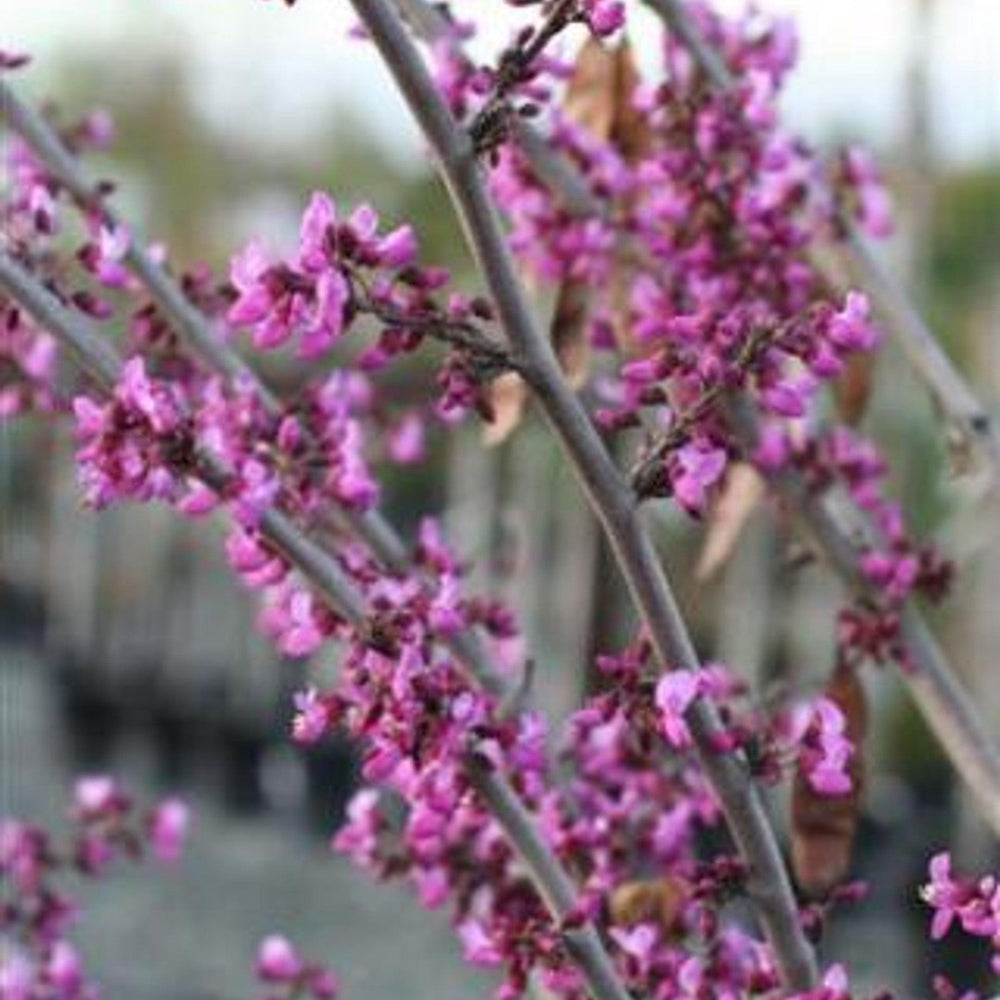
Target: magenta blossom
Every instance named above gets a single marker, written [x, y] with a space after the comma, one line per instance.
[168, 829]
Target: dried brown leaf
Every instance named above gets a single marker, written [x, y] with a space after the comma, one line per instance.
[507, 395]
[569, 331]
[741, 493]
[649, 901]
[630, 131]
[823, 827]
[853, 387]
[590, 94]
[600, 97]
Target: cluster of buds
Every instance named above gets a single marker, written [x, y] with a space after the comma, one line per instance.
[37, 959]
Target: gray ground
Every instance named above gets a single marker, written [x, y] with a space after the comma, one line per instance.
[190, 933]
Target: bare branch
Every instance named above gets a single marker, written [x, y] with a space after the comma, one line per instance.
[607, 490]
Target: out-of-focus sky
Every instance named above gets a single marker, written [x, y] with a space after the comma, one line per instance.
[264, 67]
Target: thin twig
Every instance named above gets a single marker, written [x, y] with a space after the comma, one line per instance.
[551, 880]
[608, 492]
[555, 887]
[934, 686]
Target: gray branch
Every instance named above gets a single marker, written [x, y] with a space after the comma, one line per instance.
[939, 695]
[194, 328]
[943, 701]
[548, 876]
[607, 491]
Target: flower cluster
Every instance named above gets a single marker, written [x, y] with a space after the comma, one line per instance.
[28, 359]
[288, 975]
[311, 293]
[697, 273]
[698, 266]
[30, 215]
[36, 957]
[132, 445]
[974, 904]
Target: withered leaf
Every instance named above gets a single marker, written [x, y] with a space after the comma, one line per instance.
[507, 397]
[658, 901]
[592, 89]
[853, 388]
[600, 98]
[630, 131]
[823, 827]
[740, 496]
[569, 331]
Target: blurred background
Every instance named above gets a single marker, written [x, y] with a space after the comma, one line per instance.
[126, 647]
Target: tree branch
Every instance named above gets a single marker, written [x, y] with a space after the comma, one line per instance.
[944, 703]
[915, 337]
[939, 696]
[548, 876]
[607, 491]
[193, 327]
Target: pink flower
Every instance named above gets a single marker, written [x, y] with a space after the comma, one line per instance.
[445, 615]
[311, 719]
[851, 328]
[17, 975]
[477, 946]
[758, 99]
[324, 985]
[95, 796]
[318, 221]
[168, 829]
[675, 691]
[605, 16]
[406, 442]
[247, 272]
[332, 293]
[64, 969]
[698, 468]
[112, 245]
[155, 400]
[398, 248]
[773, 448]
[825, 751]
[277, 960]
[358, 837]
[789, 396]
[639, 943]
[199, 501]
[22, 854]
